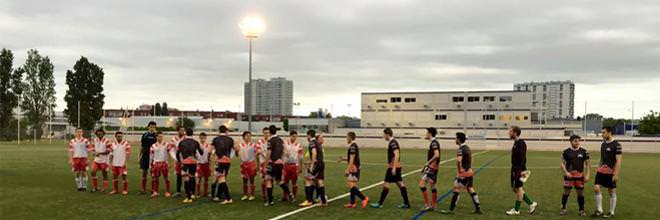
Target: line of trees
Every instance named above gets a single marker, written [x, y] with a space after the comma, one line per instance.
[160, 110]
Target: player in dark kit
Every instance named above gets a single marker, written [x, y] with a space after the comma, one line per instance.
[519, 172]
[148, 139]
[352, 172]
[315, 172]
[393, 173]
[274, 154]
[186, 155]
[608, 172]
[574, 160]
[223, 145]
[464, 175]
[430, 170]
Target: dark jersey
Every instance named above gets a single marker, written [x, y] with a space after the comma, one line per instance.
[574, 159]
[314, 144]
[353, 150]
[223, 145]
[432, 148]
[188, 148]
[519, 156]
[466, 157]
[147, 140]
[608, 152]
[276, 147]
[391, 147]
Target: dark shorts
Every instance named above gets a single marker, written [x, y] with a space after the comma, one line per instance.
[222, 169]
[353, 176]
[465, 181]
[274, 171]
[389, 178]
[605, 180]
[318, 172]
[144, 162]
[515, 180]
[189, 169]
[430, 174]
[576, 180]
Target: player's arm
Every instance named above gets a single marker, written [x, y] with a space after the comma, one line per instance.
[587, 170]
[70, 153]
[617, 167]
[351, 161]
[395, 162]
[436, 156]
[179, 153]
[313, 157]
[143, 142]
[563, 165]
[128, 151]
[459, 166]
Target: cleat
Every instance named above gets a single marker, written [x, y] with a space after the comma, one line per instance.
[154, 195]
[187, 200]
[244, 198]
[447, 212]
[83, 189]
[305, 204]
[365, 202]
[404, 206]
[323, 205]
[250, 198]
[176, 194]
[168, 194]
[609, 215]
[478, 212]
[427, 209]
[512, 212]
[124, 192]
[112, 192]
[216, 199]
[226, 202]
[532, 208]
[597, 214]
[269, 204]
[142, 192]
[582, 213]
[94, 190]
[350, 206]
[376, 205]
[563, 212]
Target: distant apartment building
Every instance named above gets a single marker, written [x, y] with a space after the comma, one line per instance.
[446, 109]
[269, 97]
[551, 99]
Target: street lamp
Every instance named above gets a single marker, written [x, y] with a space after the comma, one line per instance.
[251, 27]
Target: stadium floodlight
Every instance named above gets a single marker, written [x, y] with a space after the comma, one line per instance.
[251, 26]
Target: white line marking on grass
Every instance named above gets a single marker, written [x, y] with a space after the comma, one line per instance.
[361, 189]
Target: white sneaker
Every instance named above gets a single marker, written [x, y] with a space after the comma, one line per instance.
[532, 208]
[524, 175]
[512, 212]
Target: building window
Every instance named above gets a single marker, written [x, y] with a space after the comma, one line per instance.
[505, 98]
[534, 88]
[488, 117]
[458, 99]
[407, 100]
[521, 118]
[440, 117]
[473, 98]
[395, 99]
[545, 88]
[489, 98]
[505, 117]
[381, 100]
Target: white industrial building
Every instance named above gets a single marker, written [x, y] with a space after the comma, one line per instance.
[550, 100]
[269, 97]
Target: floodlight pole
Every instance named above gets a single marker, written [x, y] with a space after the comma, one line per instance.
[249, 109]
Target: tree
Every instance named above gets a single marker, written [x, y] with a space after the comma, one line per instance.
[650, 123]
[187, 122]
[85, 86]
[164, 109]
[159, 110]
[39, 90]
[10, 88]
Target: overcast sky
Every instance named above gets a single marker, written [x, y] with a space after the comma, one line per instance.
[192, 55]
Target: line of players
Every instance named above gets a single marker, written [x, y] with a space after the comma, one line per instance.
[280, 162]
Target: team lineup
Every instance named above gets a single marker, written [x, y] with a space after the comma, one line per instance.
[281, 161]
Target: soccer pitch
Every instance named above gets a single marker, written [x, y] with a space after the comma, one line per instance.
[36, 183]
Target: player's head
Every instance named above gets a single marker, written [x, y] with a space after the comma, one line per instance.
[272, 129]
[514, 132]
[266, 132]
[181, 130]
[159, 136]
[606, 132]
[575, 141]
[151, 126]
[350, 137]
[119, 136]
[99, 133]
[202, 137]
[388, 133]
[189, 132]
[431, 133]
[460, 138]
[293, 135]
[223, 129]
[311, 134]
[247, 136]
[79, 132]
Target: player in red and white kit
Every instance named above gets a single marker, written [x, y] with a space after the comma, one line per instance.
[262, 145]
[158, 155]
[203, 167]
[181, 134]
[100, 146]
[248, 154]
[120, 150]
[293, 154]
[78, 153]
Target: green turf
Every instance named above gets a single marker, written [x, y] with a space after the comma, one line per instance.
[36, 183]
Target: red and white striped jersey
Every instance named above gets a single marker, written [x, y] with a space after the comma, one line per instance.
[79, 147]
[247, 152]
[159, 152]
[120, 152]
[101, 146]
[206, 151]
[261, 148]
[293, 152]
[174, 145]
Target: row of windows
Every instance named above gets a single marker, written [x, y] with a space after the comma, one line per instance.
[477, 98]
[488, 117]
[397, 100]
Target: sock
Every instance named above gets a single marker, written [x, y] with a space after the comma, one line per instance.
[599, 201]
[318, 193]
[434, 193]
[214, 185]
[425, 195]
[527, 199]
[564, 200]
[517, 205]
[252, 186]
[125, 185]
[294, 189]
[206, 186]
[115, 185]
[167, 185]
[154, 185]
[77, 179]
[612, 202]
[285, 189]
[322, 194]
[197, 188]
[308, 193]
[84, 182]
[580, 200]
[475, 200]
[105, 185]
[269, 191]
[383, 195]
[193, 184]
[144, 183]
[226, 189]
[186, 188]
[95, 182]
[178, 183]
[358, 193]
[263, 191]
[404, 194]
[245, 186]
[352, 197]
[454, 200]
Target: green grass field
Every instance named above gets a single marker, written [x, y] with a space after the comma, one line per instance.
[36, 183]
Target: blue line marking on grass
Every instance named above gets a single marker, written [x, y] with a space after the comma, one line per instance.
[446, 194]
[163, 211]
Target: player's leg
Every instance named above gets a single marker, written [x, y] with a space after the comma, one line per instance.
[612, 192]
[425, 195]
[124, 180]
[83, 172]
[564, 200]
[386, 189]
[402, 189]
[198, 176]
[143, 185]
[321, 186]
[95, 180]
[177, 170]
[598, 199]
[456, 190]
[115, 180]
[155, 175]
[294, 181]
[286, 173]
[104, 173]
[165, 173]
[352, 195]
[474, 196]
[309, 191]
[251, 178]
[283, 184]
[580, 200]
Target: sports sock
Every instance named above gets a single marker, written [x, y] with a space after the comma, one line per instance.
[144, 183]
[404, 194]
[84, 182]
[425, 195]
[527, 199]
[269, 191]
[263, 191]
[564, 200]
[294, 189]
[206, 185]
[77, 179]
[115, 185]
[154, 185]
[167, 184]
[186, 188]
[252, 186]
[245, 186]
[383, 195]
[95, 182]
[214, 185]
[198, 187]
[580, 200]
[285, 189]
[358, 193]
[352, 196]
[434, 193]
[227, 194]
[105, 185]
[475, 200]
[125, 185]
[612, 202]
[599, 201]
[308, 193]
[322, 194]
[193, 184]
[517, 205]
[454, 200]
[178, 183]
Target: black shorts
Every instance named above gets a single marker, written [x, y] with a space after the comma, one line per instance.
[222, 169]
[465, 181]
[515, 180]
[189, 169]
[274, 171]
[430, 174]
[389, 178]
[318, 172]
[144, 162]
[353, 176]
[605, 180]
